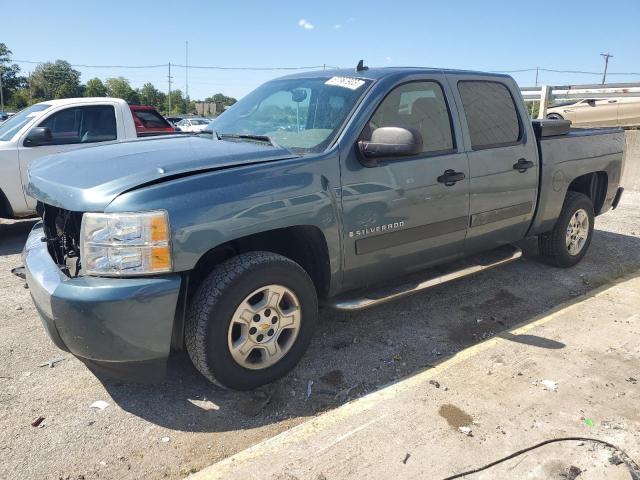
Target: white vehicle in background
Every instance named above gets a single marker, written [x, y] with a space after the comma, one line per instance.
[192, 124]
[56, 126]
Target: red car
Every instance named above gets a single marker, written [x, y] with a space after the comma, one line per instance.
[149, 122]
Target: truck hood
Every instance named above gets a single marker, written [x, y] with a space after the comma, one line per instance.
[91, 178]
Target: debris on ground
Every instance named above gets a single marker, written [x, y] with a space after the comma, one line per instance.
[19, 272]
[165, 439]
[334, 378]
[614, 459]
[309, 387]
[588, 422]
[632, 380]
[571, 473]
[343, 395]
[466, 430]
[406, 458]
[254, 402]
[435, 383]
[37, 421]
[18, 308]
[204, 404]
[51, 363]
[99, 404]
[550, 385]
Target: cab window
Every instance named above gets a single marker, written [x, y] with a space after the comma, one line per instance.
[82, 125]
[420, 106]
[491, 114]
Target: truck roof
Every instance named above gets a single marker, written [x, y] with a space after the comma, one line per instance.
[72, 101]
[381, 72]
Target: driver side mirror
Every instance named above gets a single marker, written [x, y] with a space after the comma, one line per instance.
[38, 136]
[389, 142]
[591, 102]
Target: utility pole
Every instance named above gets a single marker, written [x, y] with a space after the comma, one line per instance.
[537, 70]
[606, 56]
[187, 69]
[169, 88]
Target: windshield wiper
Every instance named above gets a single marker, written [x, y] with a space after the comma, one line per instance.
[248, 136]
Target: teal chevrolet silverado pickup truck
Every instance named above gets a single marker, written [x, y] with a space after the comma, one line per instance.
[344, 189]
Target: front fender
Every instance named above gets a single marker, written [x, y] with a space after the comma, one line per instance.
[212, 208]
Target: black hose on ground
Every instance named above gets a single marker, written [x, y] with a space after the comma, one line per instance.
[634, 469]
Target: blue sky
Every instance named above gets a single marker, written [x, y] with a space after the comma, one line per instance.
[474, 34]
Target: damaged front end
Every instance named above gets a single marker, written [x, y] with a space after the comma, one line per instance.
[62, 235]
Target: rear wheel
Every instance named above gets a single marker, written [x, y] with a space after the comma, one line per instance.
[251, 320]
[567, 243]
[555, 116]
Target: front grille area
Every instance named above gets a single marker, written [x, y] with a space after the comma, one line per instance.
[62, 233]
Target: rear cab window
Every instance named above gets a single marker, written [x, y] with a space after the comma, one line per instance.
[150, 119]
[491, 113]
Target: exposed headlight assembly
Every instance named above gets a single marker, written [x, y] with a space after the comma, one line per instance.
[123, 244]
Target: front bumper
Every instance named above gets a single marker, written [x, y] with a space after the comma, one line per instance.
[118, 326]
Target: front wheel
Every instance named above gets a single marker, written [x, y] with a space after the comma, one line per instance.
[567, 243]
[251, 320]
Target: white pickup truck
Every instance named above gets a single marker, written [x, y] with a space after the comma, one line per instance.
[57, 126]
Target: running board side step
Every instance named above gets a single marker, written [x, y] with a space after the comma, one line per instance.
[366, 298]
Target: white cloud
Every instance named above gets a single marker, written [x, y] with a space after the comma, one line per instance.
[305, 24]
[337, 26]
[388, 59]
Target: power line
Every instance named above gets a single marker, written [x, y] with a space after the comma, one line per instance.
[164, 65]
[33, 62]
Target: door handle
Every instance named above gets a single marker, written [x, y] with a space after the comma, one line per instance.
[522, 165]
[450, 177]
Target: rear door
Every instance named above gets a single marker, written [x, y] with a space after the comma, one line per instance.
[503, 160]
[397, 216]
[71, 128]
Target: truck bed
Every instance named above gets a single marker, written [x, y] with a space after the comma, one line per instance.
[567, 156]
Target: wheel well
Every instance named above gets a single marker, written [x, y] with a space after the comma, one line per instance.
[303, 244]
[593, 185]
[5, 207]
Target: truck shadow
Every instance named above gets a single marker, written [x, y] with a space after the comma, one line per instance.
[13, 236]
[354, 354]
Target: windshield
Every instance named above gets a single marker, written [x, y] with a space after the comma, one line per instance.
[301, 114]
[12, 126]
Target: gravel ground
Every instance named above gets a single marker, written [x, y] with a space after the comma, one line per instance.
[185, 423]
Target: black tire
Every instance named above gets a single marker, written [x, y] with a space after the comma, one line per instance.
[555, 116]
[552, 245]
[218, 297]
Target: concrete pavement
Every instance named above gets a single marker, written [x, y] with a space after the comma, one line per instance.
[590, 348]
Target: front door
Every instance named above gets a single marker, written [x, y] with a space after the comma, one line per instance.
[71, 128]
[401, 215]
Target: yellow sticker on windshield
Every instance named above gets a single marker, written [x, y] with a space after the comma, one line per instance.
[346, 82]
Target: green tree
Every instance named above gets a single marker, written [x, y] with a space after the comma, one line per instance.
[12, 81]
[221, 98]
[150, 95]
[178, 103]
[55, 80]
[95, 88]
[120, 88]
